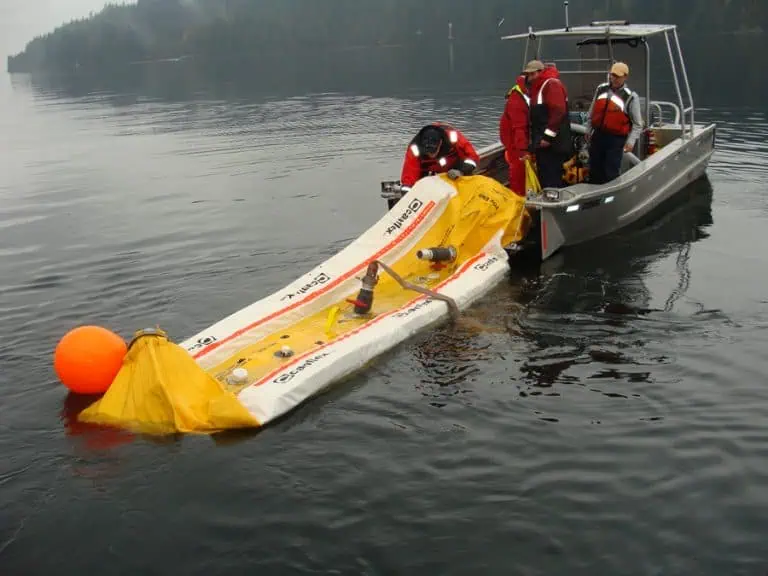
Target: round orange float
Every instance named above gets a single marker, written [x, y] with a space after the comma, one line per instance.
[88, 358]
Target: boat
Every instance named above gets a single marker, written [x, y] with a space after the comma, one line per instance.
[422, 263]
[673, 151]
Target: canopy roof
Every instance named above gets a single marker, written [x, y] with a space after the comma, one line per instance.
[615, 29]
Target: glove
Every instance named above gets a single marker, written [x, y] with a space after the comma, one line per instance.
[467, 169]
[453, 173]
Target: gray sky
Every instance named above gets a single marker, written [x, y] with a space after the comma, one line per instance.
[22, 20]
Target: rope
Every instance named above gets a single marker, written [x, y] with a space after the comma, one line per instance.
[453, 308]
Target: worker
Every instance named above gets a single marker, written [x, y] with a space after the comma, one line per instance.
[515, 134]
[435, 149]
[614, 125]
[550, 126]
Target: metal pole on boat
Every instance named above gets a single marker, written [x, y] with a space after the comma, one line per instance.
[525, 54]
[528, 44]
[567, 27]
[685, 79]
[647, 83]
[609, 44]
[677, 82]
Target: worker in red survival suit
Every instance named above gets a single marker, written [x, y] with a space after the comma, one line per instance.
[550, 126]
[435, 149]
[515, 135]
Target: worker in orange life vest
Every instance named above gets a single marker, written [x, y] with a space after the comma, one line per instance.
[435, 149]
[514, 134]
[614, 125]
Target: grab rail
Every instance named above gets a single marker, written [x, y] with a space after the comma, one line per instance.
[688, 128]
[659, 104]
[688, 117]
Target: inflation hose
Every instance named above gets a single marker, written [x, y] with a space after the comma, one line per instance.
[453, 308]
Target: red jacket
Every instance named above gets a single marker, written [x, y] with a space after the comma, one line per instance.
[513, 126]
[454, 149]
[549, 91]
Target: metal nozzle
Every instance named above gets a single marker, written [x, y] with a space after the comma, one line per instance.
[364, 300]
[446, 254]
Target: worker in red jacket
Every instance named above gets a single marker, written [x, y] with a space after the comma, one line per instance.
[515, 135]
[550, 126]
[435, 149]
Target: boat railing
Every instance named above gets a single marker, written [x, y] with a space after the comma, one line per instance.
[618, 32]
[659, 105]
[676, 53]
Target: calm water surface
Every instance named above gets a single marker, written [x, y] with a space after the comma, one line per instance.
[608, 414]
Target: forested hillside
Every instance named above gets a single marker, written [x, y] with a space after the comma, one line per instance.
[219, 33]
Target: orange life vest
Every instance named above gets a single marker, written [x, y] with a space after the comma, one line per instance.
[610, 112]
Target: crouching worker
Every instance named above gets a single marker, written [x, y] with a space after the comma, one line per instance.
[435, 149]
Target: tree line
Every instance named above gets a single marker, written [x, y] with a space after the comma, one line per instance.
[230, 33]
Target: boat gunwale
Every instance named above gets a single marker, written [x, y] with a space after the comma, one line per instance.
[585, 191]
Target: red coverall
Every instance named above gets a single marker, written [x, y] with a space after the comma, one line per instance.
[550, 123]
[515, 135]
[454, 149]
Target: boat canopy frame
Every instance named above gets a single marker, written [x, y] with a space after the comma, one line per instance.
[611, 32]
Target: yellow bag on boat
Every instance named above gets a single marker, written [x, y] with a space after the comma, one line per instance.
[486, 206]
[160, 389]
[574, 172]
[532, 183]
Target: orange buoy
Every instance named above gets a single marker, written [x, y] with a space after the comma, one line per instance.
[88, 358]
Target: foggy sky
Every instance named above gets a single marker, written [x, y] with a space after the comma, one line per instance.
[22, 20]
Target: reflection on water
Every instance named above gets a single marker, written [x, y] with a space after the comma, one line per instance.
[96, 437]
[601, 413]
[578, 308]
[591, 314]
[617, 265]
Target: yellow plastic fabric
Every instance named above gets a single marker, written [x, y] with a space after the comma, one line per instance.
[486, 207]
[482, 209]
[532, 183]
[160, 389]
